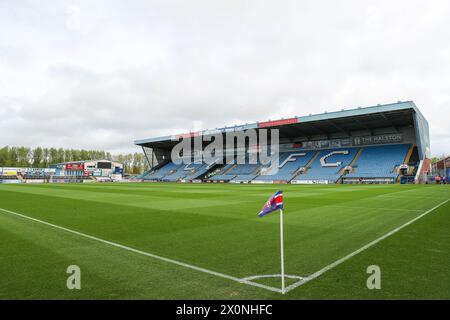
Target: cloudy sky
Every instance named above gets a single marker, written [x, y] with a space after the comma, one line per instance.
[100, 74]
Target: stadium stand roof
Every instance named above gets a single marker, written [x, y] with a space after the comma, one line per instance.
[343, 122]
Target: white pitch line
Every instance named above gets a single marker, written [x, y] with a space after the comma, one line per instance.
[354, 253]
[367, 208]
[117, 245]
[399, 197]
[263, 276]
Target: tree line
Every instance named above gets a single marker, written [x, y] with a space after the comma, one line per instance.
[39, 157]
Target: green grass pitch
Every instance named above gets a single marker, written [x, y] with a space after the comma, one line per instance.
[215, 227]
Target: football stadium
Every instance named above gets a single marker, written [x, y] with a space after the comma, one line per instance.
[359, 200]
[380, 144]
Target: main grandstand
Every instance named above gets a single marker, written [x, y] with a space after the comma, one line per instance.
[378, 144]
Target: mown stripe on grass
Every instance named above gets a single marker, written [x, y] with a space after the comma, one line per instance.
[367, 246]
[151, 255]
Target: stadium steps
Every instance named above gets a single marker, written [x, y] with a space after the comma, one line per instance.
[407, 158]
[406, 161]
[221, 169]
[257, 170]
[212, 173]
[354, 160]
[397, 170]
[215, 169]
[141, 176]
[310, 162]
[152, 170]
[409, 154]
[232, 167]
[202, 174]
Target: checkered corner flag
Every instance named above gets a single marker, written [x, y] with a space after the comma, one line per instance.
[275, 203]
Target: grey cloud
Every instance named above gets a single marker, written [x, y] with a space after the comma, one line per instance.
[145, 68]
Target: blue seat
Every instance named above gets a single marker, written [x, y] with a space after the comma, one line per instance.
[224, 177]
[162, 172]
[244, 177]
[380, 161]
[196, 170]
[318, 172]
[287, 169]
[245, 171]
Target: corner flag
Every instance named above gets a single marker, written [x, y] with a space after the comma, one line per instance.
[276, 203]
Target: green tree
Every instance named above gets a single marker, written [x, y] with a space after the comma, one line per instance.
[67, 155]
[135, 164]
[4, 156]
[23, 157]
[76, 155]
[84, 155]
[61, 156]
[434, 160]
[53, 156]
[45, 157]
[13, 157]
[37, 157]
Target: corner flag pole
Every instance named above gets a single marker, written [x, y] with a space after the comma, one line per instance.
[275, 203]
[282, 251]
